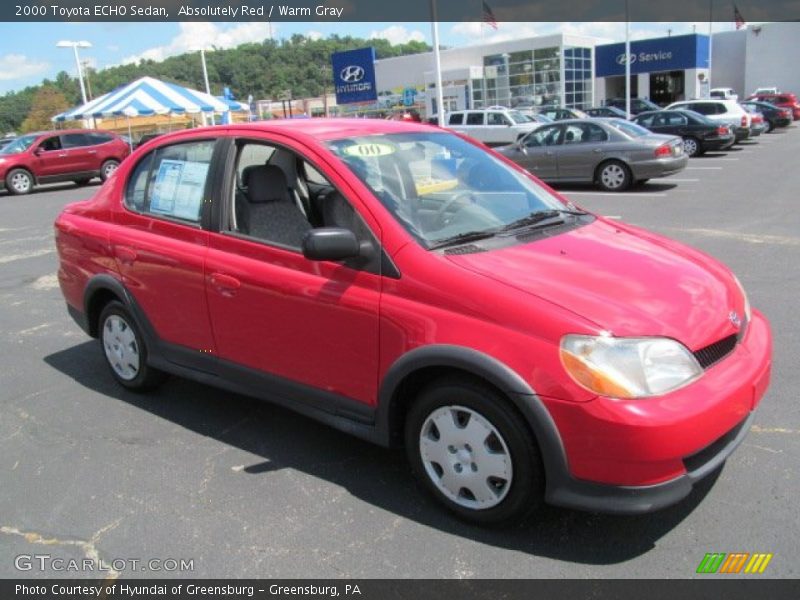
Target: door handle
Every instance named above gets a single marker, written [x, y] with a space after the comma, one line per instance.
[62, 155]
[125, 255]
[225, 284]
[597, 150]
[91, 151]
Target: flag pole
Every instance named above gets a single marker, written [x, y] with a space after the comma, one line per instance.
[627, 61]
[437, 61]
[710, 41]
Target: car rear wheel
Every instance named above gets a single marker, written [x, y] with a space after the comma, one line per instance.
[769, 126]
[691, 146]
[614, 176]
[473, 452]
[108, 169]
[125, 350]
[19, 182]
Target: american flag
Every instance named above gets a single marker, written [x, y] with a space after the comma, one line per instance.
[738, 18]
[488, 16]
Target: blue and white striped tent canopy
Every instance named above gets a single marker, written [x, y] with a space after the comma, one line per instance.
[149, 96]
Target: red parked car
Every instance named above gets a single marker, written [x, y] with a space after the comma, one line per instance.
[782, 100]
[406, 285]
[76, 155]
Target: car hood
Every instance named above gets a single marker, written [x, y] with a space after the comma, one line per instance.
[623, 280]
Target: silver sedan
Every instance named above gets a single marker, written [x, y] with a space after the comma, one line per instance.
[613, 153]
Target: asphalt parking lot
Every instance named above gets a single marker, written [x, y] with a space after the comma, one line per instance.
[245, 489]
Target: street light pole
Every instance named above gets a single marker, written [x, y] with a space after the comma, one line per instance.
[75, 46]
[205, 80]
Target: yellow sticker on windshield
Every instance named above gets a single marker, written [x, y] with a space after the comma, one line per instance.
[369, 150]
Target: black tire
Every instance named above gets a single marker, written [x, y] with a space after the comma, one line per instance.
[19, 182]
[108, 168]
[621, 179]
[82, 182]
[525, 491]
[117, 342]
[691, 145]
[770, 126]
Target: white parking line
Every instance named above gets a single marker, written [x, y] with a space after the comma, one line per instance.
[705, 158]
[673, 179]
[704, 168]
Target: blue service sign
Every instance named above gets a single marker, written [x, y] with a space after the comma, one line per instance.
[354, 76]
[651, 56]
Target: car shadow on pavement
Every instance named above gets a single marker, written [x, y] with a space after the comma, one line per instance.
[377, 476]
[649, 186]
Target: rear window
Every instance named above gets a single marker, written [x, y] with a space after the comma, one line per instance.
[456, 119]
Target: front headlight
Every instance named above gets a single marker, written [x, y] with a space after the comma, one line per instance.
[628, 367]
[746, 299]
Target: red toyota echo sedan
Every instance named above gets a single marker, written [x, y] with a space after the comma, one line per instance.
[408, 286]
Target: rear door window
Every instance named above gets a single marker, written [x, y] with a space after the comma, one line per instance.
[475, 118]
[75, 140]
[171, 181]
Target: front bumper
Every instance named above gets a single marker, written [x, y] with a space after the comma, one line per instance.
[636, 456]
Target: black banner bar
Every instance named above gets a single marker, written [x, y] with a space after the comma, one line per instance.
[728, 588]
[405, 11]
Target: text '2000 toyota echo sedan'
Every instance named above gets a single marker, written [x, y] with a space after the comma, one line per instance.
[406, 285]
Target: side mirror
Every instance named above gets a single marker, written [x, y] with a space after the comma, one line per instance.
[39, 150]
[330, 243]
[521, 145]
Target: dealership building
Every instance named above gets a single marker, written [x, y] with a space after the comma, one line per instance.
[580, 71]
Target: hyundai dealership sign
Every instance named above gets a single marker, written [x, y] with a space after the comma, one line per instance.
[650, 56]
[354, 76]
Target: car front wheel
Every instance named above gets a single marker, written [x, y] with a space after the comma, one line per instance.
[474, 453]
[125, 350]
[614, 176]
[19, 182]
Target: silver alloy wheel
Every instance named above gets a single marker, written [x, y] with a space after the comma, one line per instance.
[121, 348]
[21, 182]
[465, 457]
[690, 146]
[109, 168]
[613, 176]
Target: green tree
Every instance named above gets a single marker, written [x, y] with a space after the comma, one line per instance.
[47, 103]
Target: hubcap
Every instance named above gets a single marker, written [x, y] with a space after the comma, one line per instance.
[110, 168]
[21, 182]
[122, 351]
[613, 176]
[465, 457]
[690, 146]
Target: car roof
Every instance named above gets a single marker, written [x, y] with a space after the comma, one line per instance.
[322, 128]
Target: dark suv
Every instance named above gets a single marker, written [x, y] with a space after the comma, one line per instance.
[76, 155]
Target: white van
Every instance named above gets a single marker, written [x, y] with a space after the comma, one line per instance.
[724, 94]
[495, 126]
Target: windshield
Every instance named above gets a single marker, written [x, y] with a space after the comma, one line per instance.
[439, 186]
[628, 128]
[19, 145]
[518, 117]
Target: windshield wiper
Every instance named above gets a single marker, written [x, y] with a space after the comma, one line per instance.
[540, 217]
[463, 238]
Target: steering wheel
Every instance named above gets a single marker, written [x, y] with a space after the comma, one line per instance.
[458, 197]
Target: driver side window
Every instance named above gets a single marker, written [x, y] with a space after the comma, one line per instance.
[546, 136]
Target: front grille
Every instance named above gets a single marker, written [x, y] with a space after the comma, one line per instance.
[715, 352]
[698, 459]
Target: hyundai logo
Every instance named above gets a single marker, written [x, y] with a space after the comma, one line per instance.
[621, 59]
[734, 318]
[352, 74]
